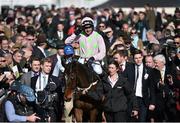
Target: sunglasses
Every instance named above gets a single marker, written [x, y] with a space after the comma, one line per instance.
[127, 43]
[176, 42]
[133, 33]
[2, 60]
[30, 39]
[108, 32]
[101, 26]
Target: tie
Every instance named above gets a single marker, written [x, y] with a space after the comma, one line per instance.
[120, 68]
[60, 35]
[35, 74]
[137, 75]
[44, 81]
[162, 77]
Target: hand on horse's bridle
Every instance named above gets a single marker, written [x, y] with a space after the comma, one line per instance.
[103, 98]
[84, 92]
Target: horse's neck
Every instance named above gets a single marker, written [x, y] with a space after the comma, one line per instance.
[87, 80]
[75, 58]
[84, 76]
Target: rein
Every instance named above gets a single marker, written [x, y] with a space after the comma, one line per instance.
[73, 77]
[88, 88]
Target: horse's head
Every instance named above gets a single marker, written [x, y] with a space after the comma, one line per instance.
[78, 76]
[71, 80]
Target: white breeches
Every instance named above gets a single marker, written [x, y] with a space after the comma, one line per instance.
[95, 65]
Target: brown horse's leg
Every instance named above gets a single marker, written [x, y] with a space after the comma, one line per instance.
[78, 114]
[93, 115]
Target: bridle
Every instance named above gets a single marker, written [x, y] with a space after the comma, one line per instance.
[71, 77]
[88, 88]
[74, 80]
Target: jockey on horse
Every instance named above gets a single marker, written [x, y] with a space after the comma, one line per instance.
[79, 80]
[90, 45]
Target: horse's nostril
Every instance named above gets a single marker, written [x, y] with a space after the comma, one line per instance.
[67, 99]
[68, 95]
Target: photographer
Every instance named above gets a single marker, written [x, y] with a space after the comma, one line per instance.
[3, 64]
[6, 77]
[48, 96]
[17, 106]
[6, 80]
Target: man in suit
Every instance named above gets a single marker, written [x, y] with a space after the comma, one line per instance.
[149, 61]
[58, 61]
[39, 50]
[109, 37]
[60, 34]
[142, 86]
[39, 84]
[125, 67]
[35, 68]
[4, 44]
[17, 66]
[40, 16]
[165, 84]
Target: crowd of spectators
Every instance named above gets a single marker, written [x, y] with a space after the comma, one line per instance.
[28, 35]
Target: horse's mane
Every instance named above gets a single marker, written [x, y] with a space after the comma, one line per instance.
[84, 73]
[84, 70]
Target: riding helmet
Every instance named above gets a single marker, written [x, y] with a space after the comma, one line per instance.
[87, 22]
[68, 50]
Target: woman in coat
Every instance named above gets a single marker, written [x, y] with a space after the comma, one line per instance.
[115, 92]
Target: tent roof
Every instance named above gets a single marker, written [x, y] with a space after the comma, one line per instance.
[140, 3]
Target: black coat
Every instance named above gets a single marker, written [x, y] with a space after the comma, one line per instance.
[148, 92]
[54, 61]
[37, 53]
[61, 41]
[161, 98]
[127, 73]
[116, 98]
[165, 103]
[55, 113]
[50, 79]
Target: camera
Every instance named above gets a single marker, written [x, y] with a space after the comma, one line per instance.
[3, 81]
[45, 101]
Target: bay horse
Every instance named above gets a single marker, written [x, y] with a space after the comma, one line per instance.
[80, 78]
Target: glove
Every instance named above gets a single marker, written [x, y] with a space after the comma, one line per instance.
[90, 60]
[78, 31]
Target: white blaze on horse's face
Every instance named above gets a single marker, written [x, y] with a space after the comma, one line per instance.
[65, 77]
[68, 92]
